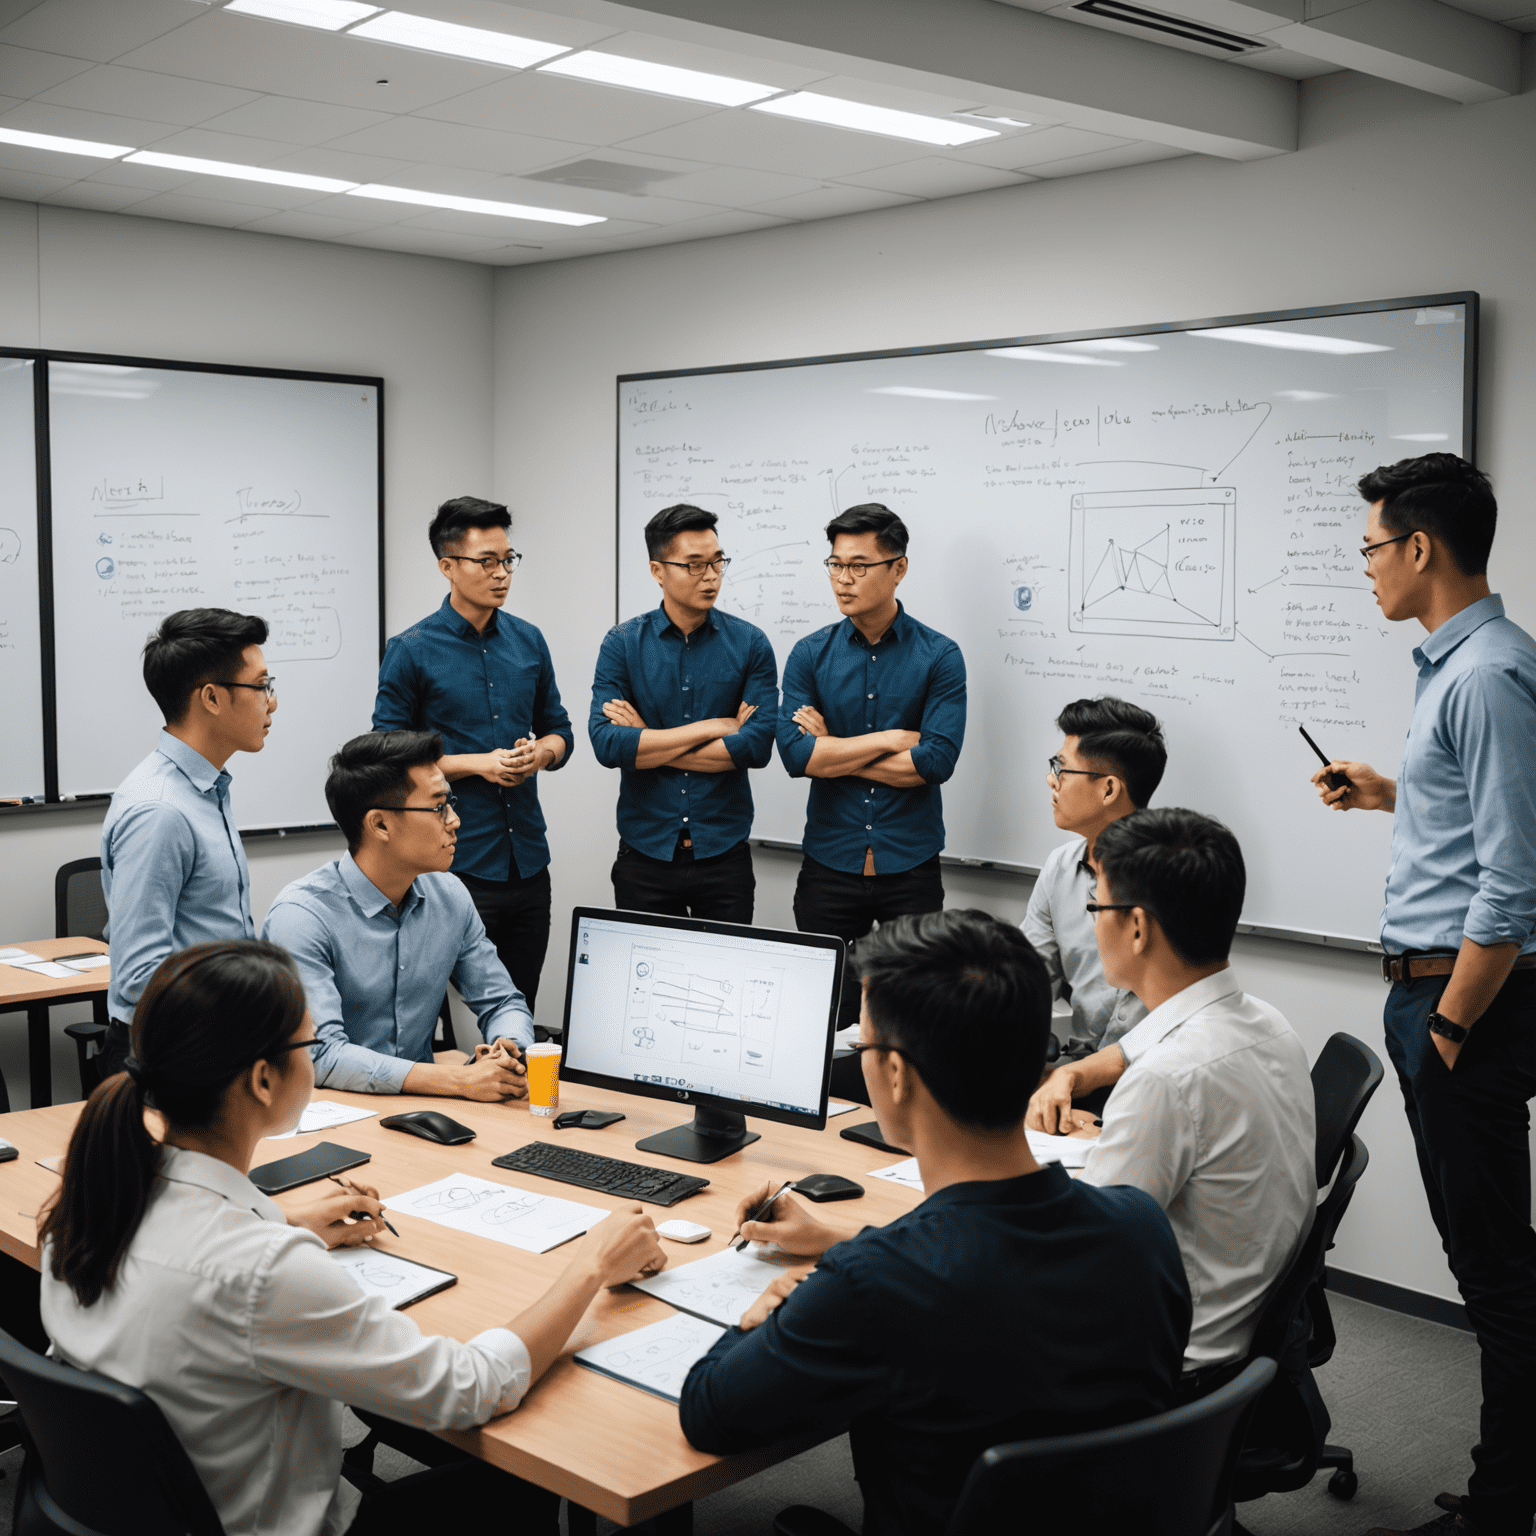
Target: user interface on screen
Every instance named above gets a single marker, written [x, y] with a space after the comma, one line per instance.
[738, 1017]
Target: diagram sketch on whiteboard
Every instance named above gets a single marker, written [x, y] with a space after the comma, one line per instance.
[725, 1015]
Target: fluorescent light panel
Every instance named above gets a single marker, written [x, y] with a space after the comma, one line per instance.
[239, 172]
[659, 79]
[389, 194]
[1288, 341]
[1041, 355]
[64, 146]
[463, 42]
[330, 15]
[834, 112]
[918, 393]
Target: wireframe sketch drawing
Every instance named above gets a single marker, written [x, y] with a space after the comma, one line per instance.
[723, 1015]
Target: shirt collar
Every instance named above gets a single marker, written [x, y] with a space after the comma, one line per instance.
[461, 626]
[202, 773]
[366, 894]
[1439, 644]
[661, 621]
[893, 634]
[178, 1165]
[1049, 1183]
[1183, 1006]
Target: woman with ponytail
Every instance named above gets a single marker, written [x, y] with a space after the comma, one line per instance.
[166, 1268]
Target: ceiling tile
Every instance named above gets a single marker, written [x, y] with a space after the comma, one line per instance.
[828, 202]
[12, 10]
[148, 178]
[733, 223]
[140, 93]
[316, 66]
[1522, 24]
[1281, 61]
[422, 242]
[97, 195]
[294, 121]
[28, 186]
[658, 209]
[934, 176]
[98, 29]
[75, 123]
[24, 72]
[1031, 149]
[304, 225]
[570, 109]
[199, 210]
[46, 162]
[732, 187]
[479, 149]
[763, 143]
[875, 94]
[1107, 160]
[205, 144]
[344, 167]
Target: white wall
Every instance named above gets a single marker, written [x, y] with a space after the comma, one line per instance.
[1393, 193]
[76, 280]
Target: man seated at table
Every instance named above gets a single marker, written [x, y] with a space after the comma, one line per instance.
[1013, 1302]
[1214, 1117]
[380, 932]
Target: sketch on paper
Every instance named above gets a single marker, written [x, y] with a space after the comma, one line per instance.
[519, 1217]
[656, 1358]
[724, 1016]
[722, 1286]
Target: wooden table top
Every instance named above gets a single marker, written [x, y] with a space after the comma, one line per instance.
[607, 1446]
[18, 987]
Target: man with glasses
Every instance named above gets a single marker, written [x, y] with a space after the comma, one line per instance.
[380, 932]
[173, 867]
[1459, 936]
[484, 680]
[874, 716]
[684, 703]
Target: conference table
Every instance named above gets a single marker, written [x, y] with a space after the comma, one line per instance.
[37, 994]
[609, 1448]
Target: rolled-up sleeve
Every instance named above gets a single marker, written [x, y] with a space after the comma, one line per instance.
[152, 855]
[795, 748]
[614, 746]
[397, 704]
[752, 745]
[943, 727]
[550, 717]
[483, 982]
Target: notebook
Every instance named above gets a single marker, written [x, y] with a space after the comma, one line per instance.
[399, 1281]
[656, 1358]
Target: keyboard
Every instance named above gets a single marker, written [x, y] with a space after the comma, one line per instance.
[624, 1181]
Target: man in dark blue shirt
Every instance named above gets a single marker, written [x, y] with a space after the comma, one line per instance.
[684, 702]
[874, 716]
[485, 681]
[1012, 1303]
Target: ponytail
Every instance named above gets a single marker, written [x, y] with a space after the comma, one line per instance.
[206, 1017]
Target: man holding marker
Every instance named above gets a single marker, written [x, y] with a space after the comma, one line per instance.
[1459, 934]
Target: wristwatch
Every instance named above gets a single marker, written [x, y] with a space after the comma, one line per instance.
[1440, 1025]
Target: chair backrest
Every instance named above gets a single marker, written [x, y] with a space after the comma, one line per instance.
[101, 1454]
[1164, 1476]
[1344, 1076]
[79, 908]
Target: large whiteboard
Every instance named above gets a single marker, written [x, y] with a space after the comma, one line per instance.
[21, 670]
[181, 488]
[1169, 514]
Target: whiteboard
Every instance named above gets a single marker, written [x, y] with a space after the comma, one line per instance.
[181, 488]
[1167, 513]
[21, 668]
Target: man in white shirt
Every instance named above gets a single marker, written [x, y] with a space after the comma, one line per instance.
[1111, 761]
[1212, 1112]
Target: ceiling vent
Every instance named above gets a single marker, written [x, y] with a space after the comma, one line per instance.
[1227, 44]
[604, 176]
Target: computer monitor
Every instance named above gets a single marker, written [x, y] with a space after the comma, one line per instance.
[735, 1021]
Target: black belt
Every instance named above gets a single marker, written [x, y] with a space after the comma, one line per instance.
[1411, 967]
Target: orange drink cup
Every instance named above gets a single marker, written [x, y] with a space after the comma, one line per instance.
[543, 1063]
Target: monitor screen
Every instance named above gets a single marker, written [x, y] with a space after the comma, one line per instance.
[702, 1011]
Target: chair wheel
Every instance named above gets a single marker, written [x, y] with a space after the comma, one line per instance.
[1343, 1484]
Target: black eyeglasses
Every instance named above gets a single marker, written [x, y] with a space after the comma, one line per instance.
[857, 1046]
[509, 562]
[1057, 771]
[698, 568]
[1367, 550]
[297, 1045]
[1093, 908]
[440, 811]
[269, 687]
[858, 569]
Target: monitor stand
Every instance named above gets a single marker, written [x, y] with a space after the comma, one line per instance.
[712, 1134]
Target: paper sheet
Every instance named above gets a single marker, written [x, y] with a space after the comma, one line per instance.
[836, 1107]
[517, 1217]
[1069, 1151]
[323, 1115]
[41, 967]
[721, 1287]
[904, 1174]
[656, 1358]
[87, 962]
[9, 956]
[399, 1281]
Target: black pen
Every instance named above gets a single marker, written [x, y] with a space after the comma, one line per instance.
[1332, 780]
[762, 1210]
[360, 1215]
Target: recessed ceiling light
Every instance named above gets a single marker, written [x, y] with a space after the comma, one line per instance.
[238, 172]
[1421, 437]
[810, 107]
[1040, 355]
[389, 194]
[64, 146]
[1289, 341]
[332, 15]
[1111, 344]
[463, 42]
[928, 394]
[660, 79]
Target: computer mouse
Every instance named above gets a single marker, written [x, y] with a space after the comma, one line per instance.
[430, 1125]
[827, 1186]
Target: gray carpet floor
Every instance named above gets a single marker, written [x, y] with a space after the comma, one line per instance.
[1403, 1394]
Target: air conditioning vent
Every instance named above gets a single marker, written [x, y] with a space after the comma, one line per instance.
[1171, 26]
[604, 176]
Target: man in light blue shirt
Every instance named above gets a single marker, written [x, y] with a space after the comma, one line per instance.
[1459, 931]
[173, 868]
[380, 932]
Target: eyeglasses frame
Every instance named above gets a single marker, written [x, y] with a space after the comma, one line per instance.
[720, 561]
[509, 562]
[440, 811]
[858, 569]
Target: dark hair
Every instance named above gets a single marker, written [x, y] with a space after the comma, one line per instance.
[208, 1015]
[1445, 497]
[193, 647]
[375, 769]
[965, 998]
[1120, 738]
[455, 518]
[870, 517]
[670, 522]
[1185, 869]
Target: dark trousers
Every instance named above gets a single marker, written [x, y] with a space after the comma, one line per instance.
[720, 888]
[516, 917]
[832, 901]
[1471, 1128]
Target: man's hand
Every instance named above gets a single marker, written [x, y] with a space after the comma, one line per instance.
[788, 1223]
[530, 756]
[744, 712]
[810, 722]
[1050, 1105]
[770, 1301]
[500, 767]
[496, 1074]
[1081, 1124]
[623, 1247]
[329, 1216]
[1367, 790]
[622, 712]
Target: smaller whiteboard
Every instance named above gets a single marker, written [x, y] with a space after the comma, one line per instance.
[21, 662]
[185, 488]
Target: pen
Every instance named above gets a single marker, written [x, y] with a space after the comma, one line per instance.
[360, 1215]
[762, 1210]
[1332, 780]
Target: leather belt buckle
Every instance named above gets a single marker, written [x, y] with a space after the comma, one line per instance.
[1386, 968]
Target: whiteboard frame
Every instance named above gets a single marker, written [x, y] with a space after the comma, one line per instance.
[43, 357]
[1469, 402]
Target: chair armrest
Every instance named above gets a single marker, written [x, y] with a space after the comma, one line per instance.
[85, 1033]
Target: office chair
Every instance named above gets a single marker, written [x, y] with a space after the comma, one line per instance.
[1344, 1076]
[1167, 1475]
[100, 1458]
[80, 912]
[444, 1040]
